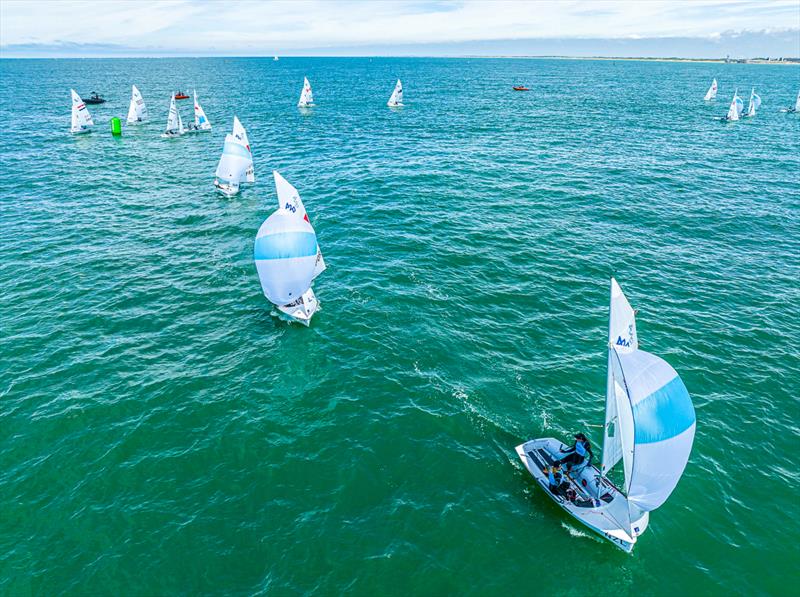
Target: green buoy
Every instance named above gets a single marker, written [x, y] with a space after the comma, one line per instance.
[116, 127]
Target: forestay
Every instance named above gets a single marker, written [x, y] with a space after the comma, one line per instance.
[137, 112]
[285, 255]
[81, 119]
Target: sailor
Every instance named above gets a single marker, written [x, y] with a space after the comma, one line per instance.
[578, 453]
[555, 477]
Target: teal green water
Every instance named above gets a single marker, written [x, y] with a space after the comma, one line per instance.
[162, 433]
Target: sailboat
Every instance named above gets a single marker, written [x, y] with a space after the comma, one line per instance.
[275, 58]
[137, 112]
[306, 97]
[649, 427]
[712, 91]
[236, 164]
[796, 108]
[755, 103]
[201, 122]
[397, 96]
[287, 256]
[735, 109]
[81, 120]
[174, 122]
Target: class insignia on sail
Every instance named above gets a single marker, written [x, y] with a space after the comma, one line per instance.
[137, 112]
[649, 427]
[288, 257]
[174, 121]
[81, 120]
[236, 163]
[306, 97]
[396, 100]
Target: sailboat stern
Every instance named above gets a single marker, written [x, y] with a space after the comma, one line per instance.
[301, 310]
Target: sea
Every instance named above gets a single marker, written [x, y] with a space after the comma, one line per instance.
[163, 433]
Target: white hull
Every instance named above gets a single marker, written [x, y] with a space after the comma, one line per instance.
[599, 504]
[227, 189]
[195, 129]
[82, 131]
[301, 310]
[171, 135]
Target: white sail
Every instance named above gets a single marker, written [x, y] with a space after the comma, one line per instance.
[735, 108]
[755, 103]
[621, 337]
[306, 97]
[712, 91]
[234, 162]
[174, 122]
[797, 103]
[200, 120]
[241, 136]
[663, 421]
[285, 253]
[397, 95]
[81, 120]
[137, 112]
[289, 199]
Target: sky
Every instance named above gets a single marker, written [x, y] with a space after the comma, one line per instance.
[684, 28]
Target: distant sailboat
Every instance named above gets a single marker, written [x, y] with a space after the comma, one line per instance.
[397, 96]
[755, 103]
[306, 97]
[137, 112]
[81, 120]
[712, 91]
[796, 108]
[735, 109]
[275, 58]
[201, 122]
[174, 122]
[236, 164]
[649, 426]
[287, 256]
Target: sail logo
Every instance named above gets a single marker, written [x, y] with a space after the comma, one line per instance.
[621, 342]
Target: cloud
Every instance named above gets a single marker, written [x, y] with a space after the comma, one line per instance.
[247, 27]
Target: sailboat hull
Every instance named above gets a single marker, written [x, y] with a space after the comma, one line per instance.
[301, 310]
[598, 504]
[227, 189]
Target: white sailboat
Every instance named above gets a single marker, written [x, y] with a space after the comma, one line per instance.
[306, 97]
[201, 122]
[236, 164]
[81, 120]
[755, 103]
[275, 58]
[735, 109]
[712, 91]
[396, 100]
[287, 256]
[174, 122]
[649, 427]
[796, 108]
[137, 112]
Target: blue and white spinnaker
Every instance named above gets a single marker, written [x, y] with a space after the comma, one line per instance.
[236, 163]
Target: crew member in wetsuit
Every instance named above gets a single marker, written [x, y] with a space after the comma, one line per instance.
[578, 453]
[558, 484]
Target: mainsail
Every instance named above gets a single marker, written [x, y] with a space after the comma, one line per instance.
[622, 338]
[200, 120]
[306, 97]
[289, 199]
[397, 95]
[137, 112]
[712, 91]
[755, 103]
[81, 119]
[240, 135]
[285, 253]
[797, 103]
